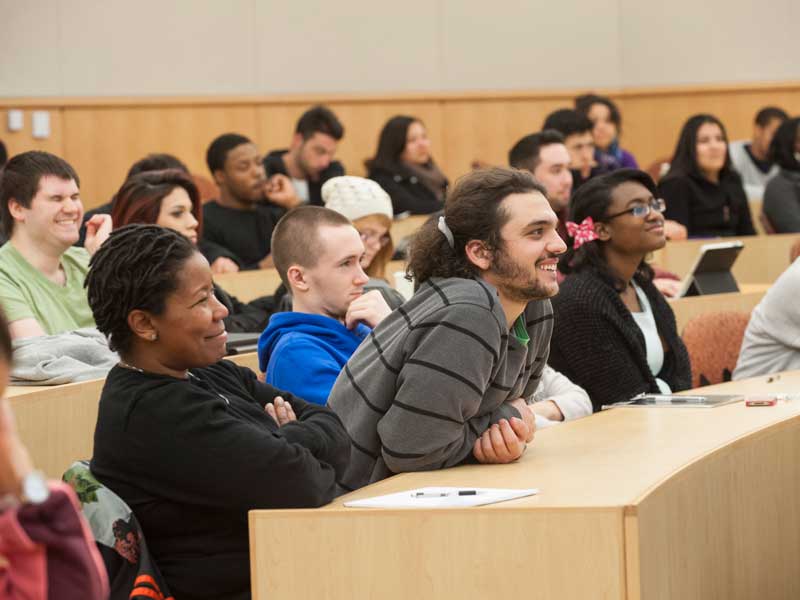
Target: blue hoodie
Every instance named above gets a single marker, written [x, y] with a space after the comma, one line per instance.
[303, 353]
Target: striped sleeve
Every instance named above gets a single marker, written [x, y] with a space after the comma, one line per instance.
[436, 416]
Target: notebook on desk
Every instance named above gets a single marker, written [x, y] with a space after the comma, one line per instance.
[678, 400]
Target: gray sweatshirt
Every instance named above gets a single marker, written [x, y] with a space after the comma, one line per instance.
[772, 339]
[432, 377]
[782, 202]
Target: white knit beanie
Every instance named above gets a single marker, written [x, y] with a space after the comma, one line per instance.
[356, 197]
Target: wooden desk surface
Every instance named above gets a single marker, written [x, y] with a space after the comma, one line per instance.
[635, 503]
[249, 285]
[603, 472]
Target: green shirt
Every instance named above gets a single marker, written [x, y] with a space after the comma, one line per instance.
[25, 293]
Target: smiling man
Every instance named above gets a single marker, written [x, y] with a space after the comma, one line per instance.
[41, 273]
[447, 377]
[317, 253]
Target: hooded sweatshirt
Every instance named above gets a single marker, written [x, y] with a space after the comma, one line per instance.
[304, 353]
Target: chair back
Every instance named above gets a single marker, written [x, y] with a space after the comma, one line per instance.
[713, 341]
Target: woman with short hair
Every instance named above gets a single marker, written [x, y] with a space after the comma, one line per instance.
[189, 441]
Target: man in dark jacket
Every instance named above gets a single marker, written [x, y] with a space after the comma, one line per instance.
[309, 160]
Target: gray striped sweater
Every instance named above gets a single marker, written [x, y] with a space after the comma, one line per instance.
[433, 376]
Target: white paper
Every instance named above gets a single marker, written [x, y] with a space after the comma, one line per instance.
[433, 499]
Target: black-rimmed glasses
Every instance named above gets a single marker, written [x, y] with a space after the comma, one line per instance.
[642, 210]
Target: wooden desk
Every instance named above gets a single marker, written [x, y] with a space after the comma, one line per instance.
[686, 309]
[56, 423]
[762, 260]
[249, 285]
[635, 503]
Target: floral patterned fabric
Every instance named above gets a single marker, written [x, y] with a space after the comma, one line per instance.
[131, 571]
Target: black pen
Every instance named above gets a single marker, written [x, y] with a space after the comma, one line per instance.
[444, 494]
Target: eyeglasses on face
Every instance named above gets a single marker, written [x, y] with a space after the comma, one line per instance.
[373, 236]
[642, 210]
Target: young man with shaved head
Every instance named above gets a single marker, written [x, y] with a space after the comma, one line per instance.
[317, 253]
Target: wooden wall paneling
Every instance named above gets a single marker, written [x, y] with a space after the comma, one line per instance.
[485, 130]
[102, 143]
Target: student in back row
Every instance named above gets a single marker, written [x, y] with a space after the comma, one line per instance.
[238, 225]
[702, 190]
[404, 167]
[309, 161]
[782, 195]
[751, 158]
[444, 379]
[41, 272]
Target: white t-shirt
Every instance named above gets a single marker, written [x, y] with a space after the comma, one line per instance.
[655, 351]
[301, 187]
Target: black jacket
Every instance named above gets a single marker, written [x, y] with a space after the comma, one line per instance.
[191, 457]
[273, 163]
[408, 193]
[598, 345]
[708, 209]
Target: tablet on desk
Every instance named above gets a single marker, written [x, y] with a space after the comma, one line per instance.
[678, 400]
[711, 272]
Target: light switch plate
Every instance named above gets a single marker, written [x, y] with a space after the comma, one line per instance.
[16, 119]
[40, 124]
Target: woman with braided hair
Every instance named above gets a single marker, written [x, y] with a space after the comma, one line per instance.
[189, 441]
[170, 198]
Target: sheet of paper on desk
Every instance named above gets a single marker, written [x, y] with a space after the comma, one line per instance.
[442, 497]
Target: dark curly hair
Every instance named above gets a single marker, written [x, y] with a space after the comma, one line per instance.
[592, 200]
[472, 211]
[137, 267]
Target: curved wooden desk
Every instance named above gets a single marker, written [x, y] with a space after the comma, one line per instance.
[635, 503]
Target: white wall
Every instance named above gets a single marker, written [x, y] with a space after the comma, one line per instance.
[174, 47]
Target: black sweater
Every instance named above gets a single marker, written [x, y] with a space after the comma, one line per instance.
[273, 163]
[244, 236]
[407, 192]
[598, 345]
[191, 457]
[707, 209]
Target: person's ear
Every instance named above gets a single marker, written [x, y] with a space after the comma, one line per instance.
[16, 210]
[603, 231]
[141, 325]
[296, 276]
[219, 177]
[478, 254]
[297, 140]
